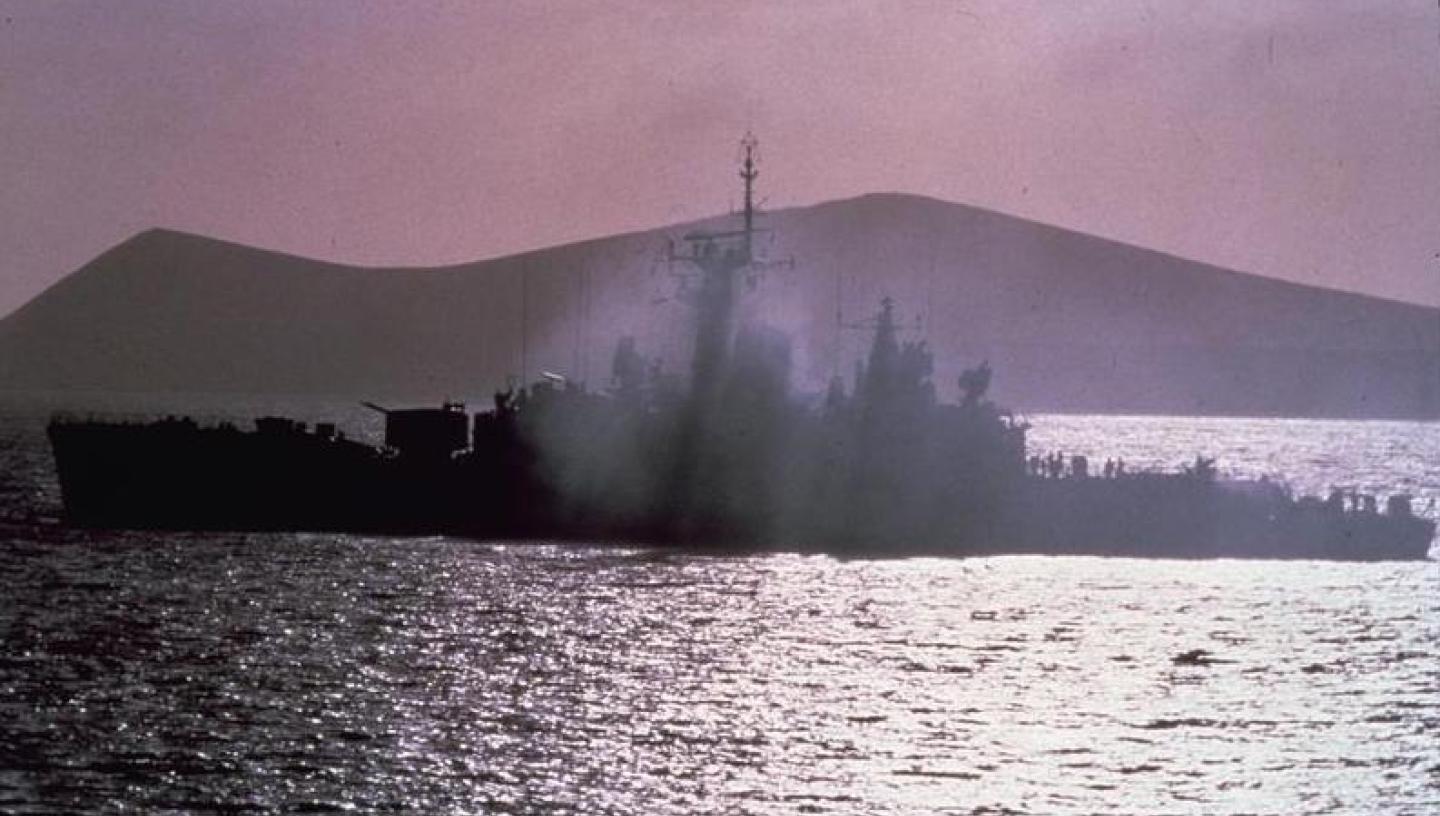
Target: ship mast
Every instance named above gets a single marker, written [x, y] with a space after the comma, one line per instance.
[748, 173]
[716, 262]
[720, 257]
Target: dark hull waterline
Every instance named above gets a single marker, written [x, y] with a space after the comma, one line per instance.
[175, 476]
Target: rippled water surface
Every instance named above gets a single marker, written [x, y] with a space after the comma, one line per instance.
[311, 673]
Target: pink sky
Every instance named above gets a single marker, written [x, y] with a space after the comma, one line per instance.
[1298, 139]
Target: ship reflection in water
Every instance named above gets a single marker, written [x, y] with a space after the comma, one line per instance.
[726, 456]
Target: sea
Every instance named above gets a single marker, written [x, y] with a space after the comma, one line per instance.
[308, 673]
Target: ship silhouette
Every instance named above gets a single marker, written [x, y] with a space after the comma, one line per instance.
[722, 456]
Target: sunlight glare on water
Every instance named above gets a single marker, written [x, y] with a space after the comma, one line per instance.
[446, 675]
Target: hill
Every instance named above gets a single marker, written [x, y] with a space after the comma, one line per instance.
[1069, 321]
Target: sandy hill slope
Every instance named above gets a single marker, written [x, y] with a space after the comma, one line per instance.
[1069, 321]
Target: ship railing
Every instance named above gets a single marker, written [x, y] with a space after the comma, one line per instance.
[135, 418]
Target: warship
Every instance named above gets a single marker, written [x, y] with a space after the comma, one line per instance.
[726, 457]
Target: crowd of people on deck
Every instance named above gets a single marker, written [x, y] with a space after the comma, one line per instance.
[1057, 466]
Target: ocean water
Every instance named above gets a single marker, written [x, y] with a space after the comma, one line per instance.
[314, 673]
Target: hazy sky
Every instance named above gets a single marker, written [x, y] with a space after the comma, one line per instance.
[1293, 139]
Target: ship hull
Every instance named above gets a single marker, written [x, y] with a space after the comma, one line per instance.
[1177, 516]
[176, 476]
[179, 477]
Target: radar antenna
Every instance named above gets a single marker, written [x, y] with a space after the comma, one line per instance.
[716, 260]
[748, 174]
